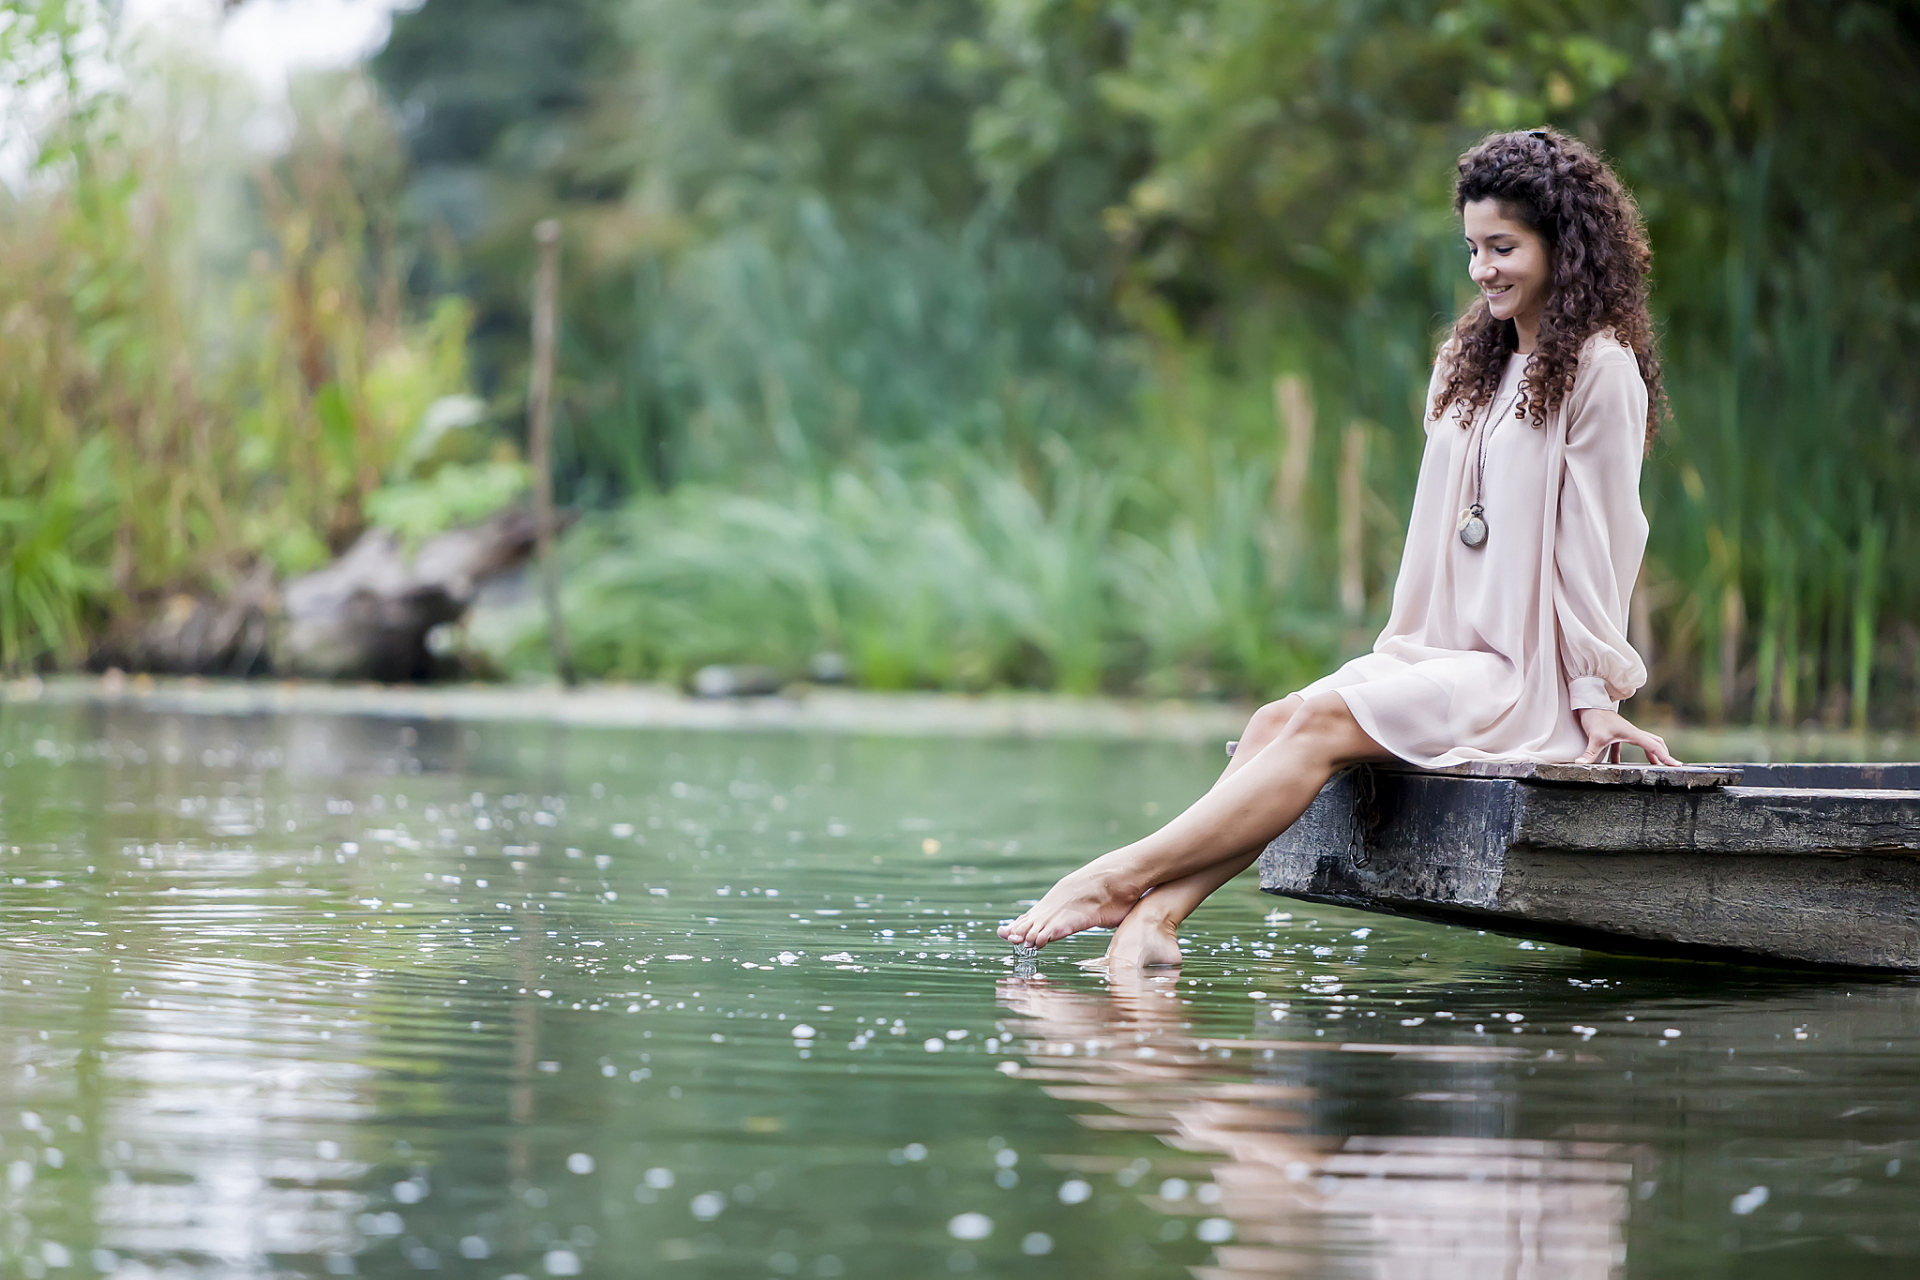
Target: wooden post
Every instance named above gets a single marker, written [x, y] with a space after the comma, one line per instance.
[1353, 494]
[1725, 691]
[546, 326]
[1640, 629]
[1293, 405]
[1280, 535]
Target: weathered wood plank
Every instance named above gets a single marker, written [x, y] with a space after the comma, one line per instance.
[1823, 876]
[1689, 777]
[1686, 777]
[1746, 820]
[1885, 776]
[1351, 836]
[1856, 911]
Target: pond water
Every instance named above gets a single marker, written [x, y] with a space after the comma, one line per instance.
[304, 996]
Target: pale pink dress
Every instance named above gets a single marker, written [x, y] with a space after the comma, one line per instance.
[1490, 650]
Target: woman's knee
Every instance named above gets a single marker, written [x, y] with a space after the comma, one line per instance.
[1270, 721]
[1322, 715]
[1325, 729]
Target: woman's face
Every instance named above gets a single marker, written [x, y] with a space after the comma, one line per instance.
[1509, 262]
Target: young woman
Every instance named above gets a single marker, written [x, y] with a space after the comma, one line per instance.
[1507, 638]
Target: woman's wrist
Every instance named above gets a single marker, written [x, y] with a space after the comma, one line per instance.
[1589, 693]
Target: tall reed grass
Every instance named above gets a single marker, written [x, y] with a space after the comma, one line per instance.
[1782, 558]
[794, 342]
[1180, 555]
[205, 361]
[968, 581]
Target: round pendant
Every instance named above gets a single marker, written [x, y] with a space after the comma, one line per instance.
[1473, 526]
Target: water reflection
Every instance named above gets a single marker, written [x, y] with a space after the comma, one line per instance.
[1297, 1191]
[312, 997]
[185, 1087]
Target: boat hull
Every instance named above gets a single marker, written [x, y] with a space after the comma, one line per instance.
[1824, 875]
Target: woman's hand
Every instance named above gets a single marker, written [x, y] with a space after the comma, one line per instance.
[1604, 728]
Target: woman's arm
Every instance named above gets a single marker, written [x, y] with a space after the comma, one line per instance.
[1601, 531]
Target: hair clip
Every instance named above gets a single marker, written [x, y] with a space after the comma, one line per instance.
[1539, 134]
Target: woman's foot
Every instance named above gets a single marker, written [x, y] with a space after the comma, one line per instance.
[1145, 939]
[1096, 896]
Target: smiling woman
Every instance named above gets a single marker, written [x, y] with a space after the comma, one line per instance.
[1559, 253]
[1507, 640]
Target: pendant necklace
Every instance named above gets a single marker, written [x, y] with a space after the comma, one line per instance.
[1473, 521]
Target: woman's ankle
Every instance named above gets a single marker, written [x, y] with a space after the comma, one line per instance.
[1119, 877]
[1163, 916]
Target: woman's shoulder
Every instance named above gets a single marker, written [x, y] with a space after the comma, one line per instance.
[1604, 353]
[1446, 362]
[1607, 383]
[1437, 381]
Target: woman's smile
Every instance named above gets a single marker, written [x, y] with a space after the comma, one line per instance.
[1510, 264]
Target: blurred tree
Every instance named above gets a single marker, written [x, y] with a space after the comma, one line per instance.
[483, 81]
[491, 96]
[741, 166]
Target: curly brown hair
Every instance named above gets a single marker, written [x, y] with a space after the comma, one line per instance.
[1597, 246]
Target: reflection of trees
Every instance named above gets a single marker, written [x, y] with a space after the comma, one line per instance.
[1303, 1190]
[227, 1063]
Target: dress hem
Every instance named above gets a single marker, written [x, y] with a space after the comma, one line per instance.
[1369, 725]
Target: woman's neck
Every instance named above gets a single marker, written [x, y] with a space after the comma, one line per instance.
[1526, 332]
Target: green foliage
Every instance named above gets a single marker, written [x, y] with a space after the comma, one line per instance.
[174, 407]
[797, 348]
[466, 76]
[54, 534]
[967, 581]
[456, 494]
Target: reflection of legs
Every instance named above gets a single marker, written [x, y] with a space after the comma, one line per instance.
[1261, 793]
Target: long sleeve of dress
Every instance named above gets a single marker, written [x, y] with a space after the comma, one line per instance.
[1602, 531]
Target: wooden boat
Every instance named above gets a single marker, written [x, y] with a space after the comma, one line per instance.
[1814, 864]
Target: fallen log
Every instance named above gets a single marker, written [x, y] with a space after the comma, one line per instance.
[197, 635]
[366, 616]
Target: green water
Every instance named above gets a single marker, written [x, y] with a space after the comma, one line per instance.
[311, 997]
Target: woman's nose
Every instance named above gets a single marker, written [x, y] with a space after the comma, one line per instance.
[1480, 270]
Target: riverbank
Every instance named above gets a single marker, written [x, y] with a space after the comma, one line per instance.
[808, 709]
[820, 709]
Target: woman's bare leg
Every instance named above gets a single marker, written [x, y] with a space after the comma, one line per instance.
[1250, 805]
[1149, 935]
